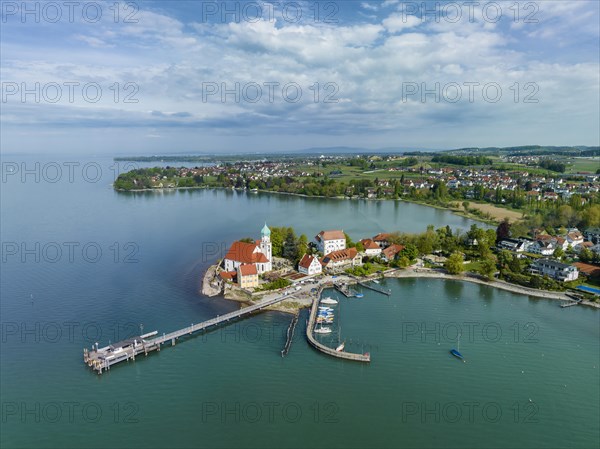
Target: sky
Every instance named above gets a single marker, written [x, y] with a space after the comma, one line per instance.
[146, 77]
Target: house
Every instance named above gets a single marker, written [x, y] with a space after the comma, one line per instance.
[329, 241]
[543, 247]
[258, 253]
[310, 265]
[341, 259]
[247, 276]
[514, 245]
[592, 235]
[588, 270]
[556, 270]
[382, 239]
[372, 249]
[574, 238]
[390, 252]
[582, 246]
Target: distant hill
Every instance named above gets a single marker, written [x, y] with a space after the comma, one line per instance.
[531, 150]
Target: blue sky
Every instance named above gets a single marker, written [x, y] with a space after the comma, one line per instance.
[354, 74]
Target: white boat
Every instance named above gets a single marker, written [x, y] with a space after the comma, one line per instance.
[341, 347]
[323, 330]
[376, 281]
[328, 300]
[326, 309]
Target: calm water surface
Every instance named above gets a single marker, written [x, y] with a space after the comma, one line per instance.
[531, 377]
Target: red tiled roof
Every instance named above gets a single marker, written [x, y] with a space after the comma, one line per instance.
[331, 235]
[306, 261]
[342, 254]
[244, 252]
[392, 250]
[228, 274]
[248, 270]
[369, 244]
[588, 269]
[381, 236]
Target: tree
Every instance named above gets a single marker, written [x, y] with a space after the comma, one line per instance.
[487, 268]
[302, 246]
[558, 253]
[454, 264]
[290, 247]
[360, 247]
[349, 242]
[586, 255]
[409, 251]
[403, 262]
[503, 230]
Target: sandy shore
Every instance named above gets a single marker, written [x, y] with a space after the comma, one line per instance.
[428, 273]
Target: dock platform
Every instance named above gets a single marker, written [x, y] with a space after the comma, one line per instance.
[374, 288]
[101, 359]
[325, 349]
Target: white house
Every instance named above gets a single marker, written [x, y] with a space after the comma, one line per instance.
[310, 265]
[258, 253]
[372, 249]
[514, 245]
[330, 241]
[554, 269]
[574, 238]
[543, 247]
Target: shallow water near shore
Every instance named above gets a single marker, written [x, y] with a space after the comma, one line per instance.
[531, 377]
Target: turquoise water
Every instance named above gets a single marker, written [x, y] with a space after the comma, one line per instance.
[231, 388]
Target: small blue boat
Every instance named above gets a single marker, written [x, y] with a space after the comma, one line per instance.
[456, 354]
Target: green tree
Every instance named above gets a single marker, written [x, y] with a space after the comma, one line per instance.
[586, 255]
[454, 264]
[487, 267]
[403, 262]
[409, 251]
[290, 245]
[302, 246]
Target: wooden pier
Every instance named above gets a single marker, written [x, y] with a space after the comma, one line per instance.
[374, 288]
[345, 290]
[572, 301]
[325, 349]
[101, 359]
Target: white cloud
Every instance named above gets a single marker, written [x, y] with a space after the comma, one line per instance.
[399, 22]
[369, 6]
[367, 62]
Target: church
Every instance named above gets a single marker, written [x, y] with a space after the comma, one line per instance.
[258, 253]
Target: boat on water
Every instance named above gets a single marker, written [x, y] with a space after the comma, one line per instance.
[376, 281]
[360, 295]
[328, 300]
[323, 330]
[326, 309]
[456, 352]
[341, 347]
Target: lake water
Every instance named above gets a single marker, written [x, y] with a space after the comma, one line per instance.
[82, 263]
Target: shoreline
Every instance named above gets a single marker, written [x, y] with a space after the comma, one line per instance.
[452, 210]
[422, 273]
[295, 304]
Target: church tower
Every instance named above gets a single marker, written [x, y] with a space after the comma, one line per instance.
[266, 246]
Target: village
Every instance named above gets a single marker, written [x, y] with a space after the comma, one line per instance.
[380, 177]
[249, 271]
